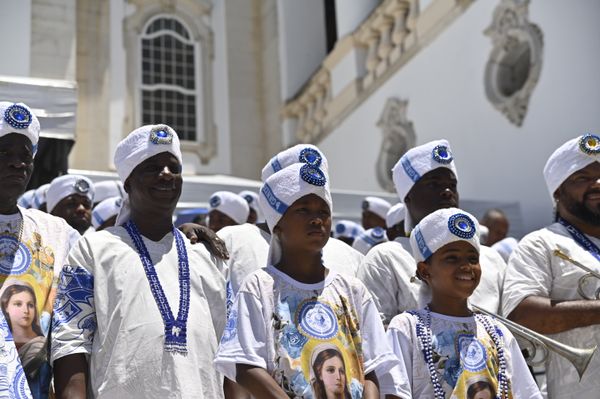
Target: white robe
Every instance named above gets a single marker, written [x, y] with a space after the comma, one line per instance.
[105, 309]
[533, 270]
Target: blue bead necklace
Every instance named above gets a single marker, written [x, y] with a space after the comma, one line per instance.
[175, 329]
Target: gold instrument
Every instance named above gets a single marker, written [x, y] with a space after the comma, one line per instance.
[579, 358]
[589, 274]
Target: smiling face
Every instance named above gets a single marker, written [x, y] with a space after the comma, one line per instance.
[579, 195]
[437, 189]
[154, 186]
[16, 166]
[76, 209]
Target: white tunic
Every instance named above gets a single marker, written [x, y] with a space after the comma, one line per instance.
[105, 309]
[533, 270]
[463, 354]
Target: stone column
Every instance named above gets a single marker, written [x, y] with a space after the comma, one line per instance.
[349, 14]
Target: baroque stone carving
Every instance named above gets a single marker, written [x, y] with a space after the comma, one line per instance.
[515, 62]
[398, 137]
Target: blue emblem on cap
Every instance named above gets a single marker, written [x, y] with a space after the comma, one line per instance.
[215, 201]
[340, 228]
[248, 198]
[590, 144]
[313, 175]
[365, 205]
[442, 154]
[18, 116]
[161, 134]
[81, 186]
[310, 156]
[316, 319]
[461, 226]
[377, 233]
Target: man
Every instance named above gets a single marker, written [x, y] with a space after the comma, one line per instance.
[425, 180]
[33, 248]
[394, 221]
[227, 209]
[497, 223]
[374, 210]
[541, 288]
[137, 301]
[252, 198]
[70, 197]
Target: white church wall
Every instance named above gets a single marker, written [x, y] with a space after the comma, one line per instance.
[15, 24]
[444, 84]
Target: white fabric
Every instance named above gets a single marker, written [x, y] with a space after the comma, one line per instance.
[448, 334]
[388, 272]
[377, 205]
[369, 239]
[347, 228]
[435, 230]
[274, 324]
[395, 215]
[248, 248]
[289, 157]
[505, 247]
[231, 204]
[105, 309]
[106, 209]
[13, 383]
[32, 131]
[533, 270]
[413, 165]
[107, 189]
[566, 160]
[26, 200]
[251, 198]
[39, 197]
[66, 185]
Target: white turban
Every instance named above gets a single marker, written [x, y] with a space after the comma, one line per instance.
[300, 153]
[107, 189]
[443, 227]
[251, 198]
[230, 204]
[415, 163]
[368, 239]
[139, 145]
[285, 187]
[347, 228]
[18, 118]
[570, 157]
[26, 200]
[395, 215]
[377, 205]
[106, 209]
[39, 197]
[66, 185]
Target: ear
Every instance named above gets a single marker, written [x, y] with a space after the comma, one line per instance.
[423, 272]
[126, 185]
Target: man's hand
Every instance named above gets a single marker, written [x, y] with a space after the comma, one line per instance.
[198, 233]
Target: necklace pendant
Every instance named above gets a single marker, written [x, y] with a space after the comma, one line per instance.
[175, 331]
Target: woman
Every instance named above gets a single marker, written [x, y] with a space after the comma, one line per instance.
[20, 310]
[329, 375]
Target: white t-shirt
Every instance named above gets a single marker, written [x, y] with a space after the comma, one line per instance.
[283, 325]
[463, 355]
[248, 248]
[533, 270]
[105, 309]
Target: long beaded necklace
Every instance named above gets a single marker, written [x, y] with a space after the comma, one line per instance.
[175, 329]
[424, 335]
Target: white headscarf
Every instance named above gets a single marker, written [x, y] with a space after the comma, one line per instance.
[39, 197]
[66, 185]
[106, 189]
[443, 227]
[395, 215]
[377, 205]
[105, 210]
[300, 153]
[230, 204]
[570, 157]
[139, 145]
[347, 228]
[252, 198]
[18, 118]
[368, 239]
[26, 200]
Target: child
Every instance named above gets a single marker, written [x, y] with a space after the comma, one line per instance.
[445, 346]
[283, 314]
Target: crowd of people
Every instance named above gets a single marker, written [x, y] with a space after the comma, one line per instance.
[268, 297]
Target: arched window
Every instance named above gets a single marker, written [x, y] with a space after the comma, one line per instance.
[169, 84]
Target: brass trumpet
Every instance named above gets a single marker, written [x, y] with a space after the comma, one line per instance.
[590, 273]
[578, 357]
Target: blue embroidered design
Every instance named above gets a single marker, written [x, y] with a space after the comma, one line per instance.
[275, 164]
[409, 170]
[590, 144]
[442, 154]
[175, 329]
[18, 116]
[161, 134]
[230, 327]
[75, 297]
[340, 228]
[312, 175]
[316, 320]
[423, 248]
[473, 354]
[81, 186]
[279, 206]
[15, 257]
[461, 226]
[311, 157]
[293, 341]
[378, 233]
[214, 201]
[20, 388]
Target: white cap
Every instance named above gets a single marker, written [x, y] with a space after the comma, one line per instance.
[300, 153]
[368, 239]
[107, 189]
[231, 204]
[105, 210]
[505, 247]
[39, 197]
[18, 118]
[347, 228]
[26, 200]
[377, 205]
[570, 157]
[395, 215]
[443, 227]
[66, 185]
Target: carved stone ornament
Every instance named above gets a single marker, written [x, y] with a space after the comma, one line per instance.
[398, 137]
[515, 63]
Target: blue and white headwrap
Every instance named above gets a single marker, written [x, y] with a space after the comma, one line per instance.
[18, 118]
[300, 153]
[368, 239]
[443, 227]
